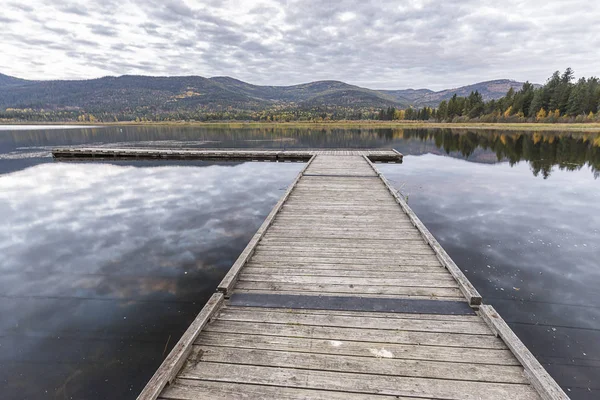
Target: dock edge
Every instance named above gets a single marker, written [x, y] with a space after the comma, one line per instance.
[543, 383]
[169, 368]
[465, 286]
[231, 277]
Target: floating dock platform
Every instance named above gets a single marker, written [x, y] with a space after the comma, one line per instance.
[343, 294]
[86, 153]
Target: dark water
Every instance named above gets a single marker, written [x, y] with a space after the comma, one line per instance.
[104, 265]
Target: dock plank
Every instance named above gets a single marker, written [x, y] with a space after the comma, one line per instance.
[425, 325]
[358, 383]
[378, 361]
[364, 349]
[362, 334]
[193, 389]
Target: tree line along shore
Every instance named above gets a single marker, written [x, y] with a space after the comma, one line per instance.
[560, 100]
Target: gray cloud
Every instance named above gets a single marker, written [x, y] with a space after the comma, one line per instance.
[75, 9]
[103, 30]
[387, 44]
[5, 20]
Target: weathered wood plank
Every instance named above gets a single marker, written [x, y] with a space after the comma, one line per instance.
[380, 361]
[355, 291]
[347, 267]
[363, 334]
[314, 228]
[192, 389]
[171, 365]
[373, 314]
[408, 247]
[473, 328]
[407, 291]
[385, 243]
[333, 242]
[368, 221]
[343, 273]
[336, 260]
[358, 383]
[344, 347]
[344, 252]
[433, 281]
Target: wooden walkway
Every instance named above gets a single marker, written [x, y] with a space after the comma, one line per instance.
[343, 294]
[79, 153]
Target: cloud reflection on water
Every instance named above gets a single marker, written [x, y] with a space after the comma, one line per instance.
[529, 245]
[102, 263]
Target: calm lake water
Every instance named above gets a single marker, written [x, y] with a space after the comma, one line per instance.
[104, 265]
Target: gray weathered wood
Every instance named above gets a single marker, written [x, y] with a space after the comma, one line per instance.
[193, 389]
[221, 154]
[388, 292]
[401, 261]
[359, 383]
[361, 349]
[390, 267]
[377, 360]
[370, 314]
[433, 281]
[360, 334]
[343, 273]
[340, 229]
[473, 328]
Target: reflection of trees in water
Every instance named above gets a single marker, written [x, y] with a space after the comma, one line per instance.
[568, 151]
[543, 150]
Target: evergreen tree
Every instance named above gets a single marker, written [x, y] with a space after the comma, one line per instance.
[577, 98]
[442, 113]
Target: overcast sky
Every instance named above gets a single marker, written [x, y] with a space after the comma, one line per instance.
[377, 44]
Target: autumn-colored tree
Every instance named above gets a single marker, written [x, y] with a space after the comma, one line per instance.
[541, 115]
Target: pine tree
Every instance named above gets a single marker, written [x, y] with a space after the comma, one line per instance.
[442, 113]
[577, 98]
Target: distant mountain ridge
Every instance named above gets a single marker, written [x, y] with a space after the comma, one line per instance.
[129, 92]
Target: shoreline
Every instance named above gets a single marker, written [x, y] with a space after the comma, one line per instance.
[557, 127]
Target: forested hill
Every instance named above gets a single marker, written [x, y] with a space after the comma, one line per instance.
[128, 96]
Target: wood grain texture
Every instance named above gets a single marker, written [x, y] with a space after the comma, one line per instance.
[358, 383]
[192, 389]
[377, 360]
[425, 325]
[364, 349]
[360, 334]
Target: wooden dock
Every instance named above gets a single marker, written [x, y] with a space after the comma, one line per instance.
[129, 153]
[342, 293]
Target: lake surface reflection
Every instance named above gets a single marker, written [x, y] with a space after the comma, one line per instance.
[531, 246]
[104, 265]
